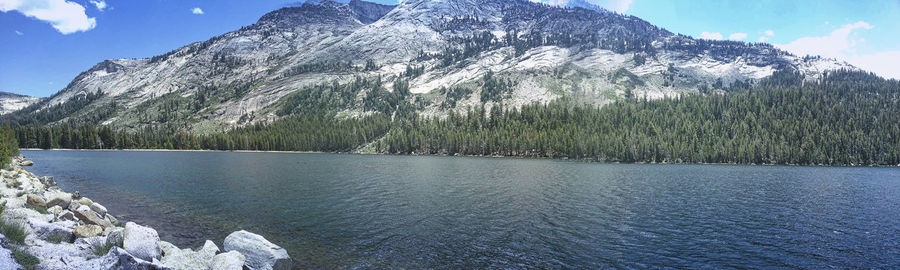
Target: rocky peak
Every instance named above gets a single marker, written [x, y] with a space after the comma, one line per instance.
[326, 12]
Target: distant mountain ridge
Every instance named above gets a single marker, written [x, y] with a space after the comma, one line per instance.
[441, 52]
[11, 102]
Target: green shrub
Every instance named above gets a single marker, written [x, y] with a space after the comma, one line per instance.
[13, 231]
[100, 248]
[25, 259]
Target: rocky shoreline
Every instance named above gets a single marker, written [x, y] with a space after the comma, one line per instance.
[43, 227]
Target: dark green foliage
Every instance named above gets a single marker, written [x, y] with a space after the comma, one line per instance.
[848, 118]
[454, 94]
[23, 258]
[639, 59]
[493, 88]
[9, 146]
[303, 132]
[13, 231]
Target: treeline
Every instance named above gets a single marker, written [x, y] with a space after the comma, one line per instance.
[8, 145]
[843, 118]
[847, 118]
[322, 132]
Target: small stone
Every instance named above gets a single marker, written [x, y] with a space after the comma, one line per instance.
[76, 195]
[27, 163]
[74, 206]
[85, 231]
[34, 200]
[90, 217]
[142, 242]
[259, 252]
[66, 215]
[100, 209]
[61, 199]
[85, 201]
[113, 220]
[231, 260]
[55, 210]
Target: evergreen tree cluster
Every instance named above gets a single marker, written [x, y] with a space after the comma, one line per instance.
[847, 118]
[9, 147]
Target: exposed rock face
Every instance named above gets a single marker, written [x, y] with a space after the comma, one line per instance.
[142, 242]
[271, 59]
[259, 252]
[231, 260]
[10, 102]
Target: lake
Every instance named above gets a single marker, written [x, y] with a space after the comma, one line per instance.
[376, 211]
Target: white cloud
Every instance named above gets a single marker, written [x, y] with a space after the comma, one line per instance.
[837, 44]
[619, 6]
[842, 44]
[19, 33]
[197, 11]
[712, 36]
[101, 5]
[766, 35]
[66, 17]
[737, 36]
[882, 63]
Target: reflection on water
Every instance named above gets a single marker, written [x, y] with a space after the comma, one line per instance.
[366, 211]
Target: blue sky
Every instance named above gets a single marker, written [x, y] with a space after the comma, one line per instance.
[44, 44]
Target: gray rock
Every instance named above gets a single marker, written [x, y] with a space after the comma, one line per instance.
[60, 198]
[57, 231]
[73, 206]
[231, 260]
[259, 252]
[66, 215]
[127, 261]
[100, 209]
[116, 237]
[186, 258]
[142, 242]
[112, 220]
[27, 163]
[85, 201]
[90, 217]
[34, 200]
[55, 210]
[85, 231]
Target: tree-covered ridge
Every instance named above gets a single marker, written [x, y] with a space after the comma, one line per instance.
[842, 118]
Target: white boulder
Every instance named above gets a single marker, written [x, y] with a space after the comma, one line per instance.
[142, 242]
[259, 252]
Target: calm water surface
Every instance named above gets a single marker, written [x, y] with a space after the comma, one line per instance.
[362, 211]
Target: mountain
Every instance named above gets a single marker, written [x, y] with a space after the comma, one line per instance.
[360, 58]
[10, 102]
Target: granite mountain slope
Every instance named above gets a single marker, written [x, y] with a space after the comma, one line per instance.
[441, 52]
